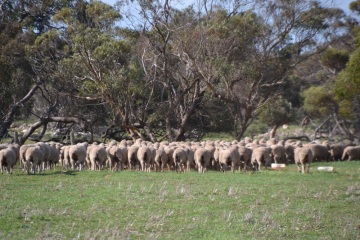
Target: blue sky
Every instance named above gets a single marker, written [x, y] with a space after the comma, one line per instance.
[344, 4]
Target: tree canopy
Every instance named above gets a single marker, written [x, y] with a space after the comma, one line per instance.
[175, 71]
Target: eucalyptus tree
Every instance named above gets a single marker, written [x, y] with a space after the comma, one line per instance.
[249, 51]
[166, 36]
[88, 59]
[20, 23]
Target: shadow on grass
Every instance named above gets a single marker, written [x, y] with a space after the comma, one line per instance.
[67, 172]
[55, 172]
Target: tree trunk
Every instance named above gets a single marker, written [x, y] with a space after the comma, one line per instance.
[322, 124]
[273, 131]
[43, 121]
[9, 118]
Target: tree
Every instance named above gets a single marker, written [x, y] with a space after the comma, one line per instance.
[21, 22]
[91, 65]
[162, 51]
[248, 55]
[275, 113]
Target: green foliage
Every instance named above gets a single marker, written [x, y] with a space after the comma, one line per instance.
[355, 6]
[335, 58]
[347, 85]
[276, 112]
[256, 128]
[319, 101]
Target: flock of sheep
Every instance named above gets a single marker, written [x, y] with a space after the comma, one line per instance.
[178, 156]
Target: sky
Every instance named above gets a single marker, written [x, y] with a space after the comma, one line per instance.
[343, 4]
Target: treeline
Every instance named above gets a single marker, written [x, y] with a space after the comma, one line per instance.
[159, 71]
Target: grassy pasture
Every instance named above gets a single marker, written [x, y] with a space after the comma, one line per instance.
[134, 205]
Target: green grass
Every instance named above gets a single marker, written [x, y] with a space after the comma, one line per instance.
[218, 136]
[134, 205]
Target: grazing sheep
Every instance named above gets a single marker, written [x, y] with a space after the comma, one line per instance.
[229, 157]
[22, 158]
[7, 159]
[77, 154]
[54, 156]
[16, 148]
[202, 159]
[352, 153]
[211, 148]
[47, 152]
[261, 156]
[115, 157]
[216, 157]
[245, 157]
[190, 158]
[144, 156]
[336, 151]
[320, 152]
[34, 157]
[132, 156]
[169, 152]
[303, 157]
[289, 153]
[278, 153]
[160, 160]
[64, 156]
[97, 157]
[180, 159]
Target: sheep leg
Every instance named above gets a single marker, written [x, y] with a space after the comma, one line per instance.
[259, 166]
[27, 167]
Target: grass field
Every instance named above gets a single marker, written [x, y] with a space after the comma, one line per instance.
[134, 205]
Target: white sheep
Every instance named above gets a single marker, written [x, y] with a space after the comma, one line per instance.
[202, 159]
[229, 157]
[34, 156]
[77, 154]
[180, 159]
[7, 159]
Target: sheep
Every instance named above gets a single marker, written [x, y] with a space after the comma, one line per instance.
[125, 161]
[64, 156]
[229, 157]
[54, 156]
[320, 152]
[211, 148]
[216, 157]
[22, 158]
[245, 157]
[261, 156]
[303, 156]
[144, 158]
[180, 159]
[97, 157]
[170, 152]
[278, 153]
[160, 160]
[351, 152]
[152, 156]
[336, 151]
[7, 159]
[34, 157]
[77, 154]
[202, 159]
[190, 158]
[16, 148]
[132, 156]
[115, 157]
[47, 153]
[289, 153]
